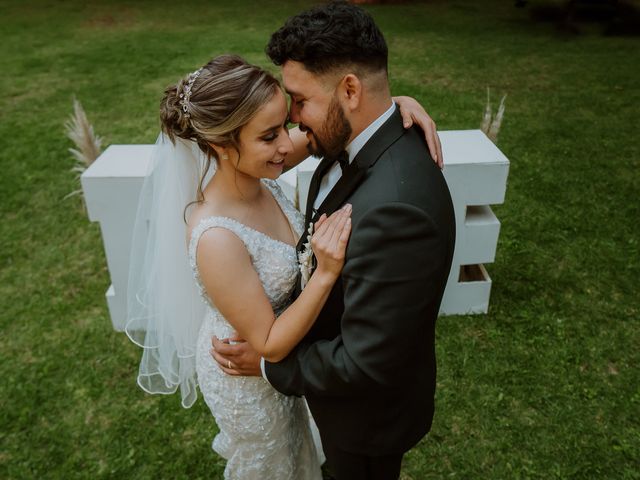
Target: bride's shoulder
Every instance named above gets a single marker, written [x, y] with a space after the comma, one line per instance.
[217, 255]
[199, 213]
[195, 215]
[214, 237]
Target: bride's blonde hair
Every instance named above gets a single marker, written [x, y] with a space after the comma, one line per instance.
[211, 105]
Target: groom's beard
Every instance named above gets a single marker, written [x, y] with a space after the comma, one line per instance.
[332, 137]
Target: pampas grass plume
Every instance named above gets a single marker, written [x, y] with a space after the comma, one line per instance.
[491, 125]
[87, 144]
[497, 122]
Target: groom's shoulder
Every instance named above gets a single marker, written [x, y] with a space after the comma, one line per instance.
[412, 146]
[404, 173]
[405, 167]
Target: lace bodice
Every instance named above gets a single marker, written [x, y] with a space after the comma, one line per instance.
[263, 434]
[274, 261]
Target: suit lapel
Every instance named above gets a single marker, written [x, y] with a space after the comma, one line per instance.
[314, 186]
[387, 134]
[348, 182]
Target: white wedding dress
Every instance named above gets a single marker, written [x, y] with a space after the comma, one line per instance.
[263, 434]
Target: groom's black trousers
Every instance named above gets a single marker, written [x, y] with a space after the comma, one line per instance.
[351, 466]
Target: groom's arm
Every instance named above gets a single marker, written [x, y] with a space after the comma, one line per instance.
[394, 262]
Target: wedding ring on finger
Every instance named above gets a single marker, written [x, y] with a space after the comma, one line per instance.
[229, 364]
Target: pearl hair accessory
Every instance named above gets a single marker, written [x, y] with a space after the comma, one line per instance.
[186, 95]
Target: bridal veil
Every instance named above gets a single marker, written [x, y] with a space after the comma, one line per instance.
[164, 307]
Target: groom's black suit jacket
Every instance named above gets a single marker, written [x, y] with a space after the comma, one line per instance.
[367, 367]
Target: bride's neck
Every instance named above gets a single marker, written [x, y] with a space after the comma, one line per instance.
[236, 185]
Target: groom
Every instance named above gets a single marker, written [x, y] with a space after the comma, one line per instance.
[367, 367]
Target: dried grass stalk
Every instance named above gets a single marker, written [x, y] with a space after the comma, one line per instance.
[87, 144]
[491, 125]
[497, 122]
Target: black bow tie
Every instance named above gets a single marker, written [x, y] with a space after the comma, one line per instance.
[343, 160]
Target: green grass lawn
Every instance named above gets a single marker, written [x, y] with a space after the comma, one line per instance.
[547, 385]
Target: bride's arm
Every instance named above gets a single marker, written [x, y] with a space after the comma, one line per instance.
[300, 152]
[235, 288]
[411, 111]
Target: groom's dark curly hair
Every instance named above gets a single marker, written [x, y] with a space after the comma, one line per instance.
[329, 37]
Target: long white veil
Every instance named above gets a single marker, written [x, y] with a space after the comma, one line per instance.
[164, 307]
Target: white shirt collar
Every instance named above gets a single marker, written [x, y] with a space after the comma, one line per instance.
[357, 143]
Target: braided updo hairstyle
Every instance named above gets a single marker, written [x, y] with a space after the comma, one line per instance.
[225, 95]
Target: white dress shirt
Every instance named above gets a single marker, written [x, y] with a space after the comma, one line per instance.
[335, 172]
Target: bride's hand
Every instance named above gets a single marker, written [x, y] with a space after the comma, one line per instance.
[412, 112]
[329, 241]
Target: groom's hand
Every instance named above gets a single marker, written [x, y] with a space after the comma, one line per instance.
[235, 356]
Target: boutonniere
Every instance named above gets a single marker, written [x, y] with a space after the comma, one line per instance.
[305, 258]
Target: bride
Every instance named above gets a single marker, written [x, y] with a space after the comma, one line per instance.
[224, 142]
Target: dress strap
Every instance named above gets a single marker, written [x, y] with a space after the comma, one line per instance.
[211, 222]
[240, 230]
[293, 216]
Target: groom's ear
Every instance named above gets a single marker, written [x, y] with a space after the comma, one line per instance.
[351, 91]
